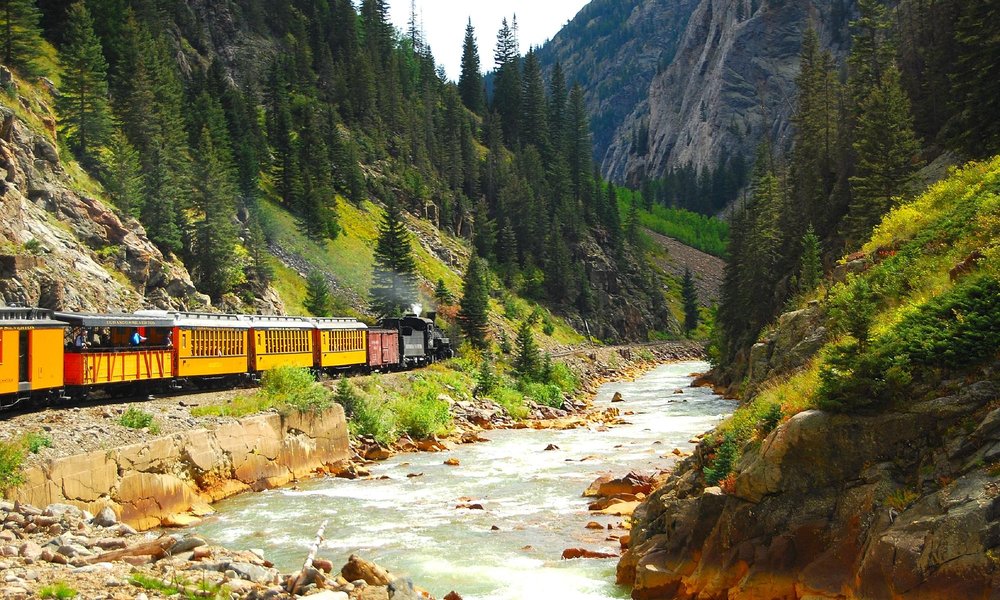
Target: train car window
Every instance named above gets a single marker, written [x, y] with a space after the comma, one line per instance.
[407, 331]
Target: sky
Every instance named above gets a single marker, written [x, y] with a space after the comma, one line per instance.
[444, 24]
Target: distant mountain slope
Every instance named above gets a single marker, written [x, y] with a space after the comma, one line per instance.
[706, 269]
[678, 83]
[614, 49]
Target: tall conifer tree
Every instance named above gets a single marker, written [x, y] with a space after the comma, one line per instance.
[20, 35]
[394, 280]
[473, 314]
[470, 81]
[215, 261]
[689, 294]
[83, 104]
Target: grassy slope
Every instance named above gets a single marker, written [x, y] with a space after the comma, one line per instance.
[349, 260]
[919, 242]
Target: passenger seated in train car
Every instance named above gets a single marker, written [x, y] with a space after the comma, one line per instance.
[97, 337]
[137, 338]
[77, 339]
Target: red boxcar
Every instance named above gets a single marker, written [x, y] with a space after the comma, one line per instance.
[383, 348]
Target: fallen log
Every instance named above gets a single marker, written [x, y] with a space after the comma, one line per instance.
[156, 548]
[294, 585]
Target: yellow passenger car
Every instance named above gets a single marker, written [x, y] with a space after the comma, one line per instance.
[281, 341]
[207, 344]
[340, 343]
[31, 353]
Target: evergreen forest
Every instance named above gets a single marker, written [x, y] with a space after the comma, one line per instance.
[196, 132]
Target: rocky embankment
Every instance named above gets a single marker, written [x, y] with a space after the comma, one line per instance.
[904, 503]
[96, 557]
[172, 479]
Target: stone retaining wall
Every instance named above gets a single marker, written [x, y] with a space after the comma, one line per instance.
[167, 480]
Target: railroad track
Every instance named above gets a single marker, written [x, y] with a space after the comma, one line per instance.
[677, 344]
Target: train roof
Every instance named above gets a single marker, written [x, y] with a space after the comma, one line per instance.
[22, 317]
[201, 319]
[335, 323]
[113, 320]
[280, 322]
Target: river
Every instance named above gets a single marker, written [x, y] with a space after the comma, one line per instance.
[411, 525]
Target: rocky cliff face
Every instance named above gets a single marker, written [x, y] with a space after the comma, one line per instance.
[63, 249]
[708, 79]
[901, 504]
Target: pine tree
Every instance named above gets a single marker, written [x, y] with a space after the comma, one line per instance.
[394, 281]
[557, 110]
[976, 78]
[527, 358]
[689, 294]
[473, 314]
[578, 147]
[216, 266]
[632, 221]
[534, 107]
[811, 270]
[123, 175]
[318, 300]
[85, 114]
[507, 84]
[259, 267]
[887, 155]
[814, 165]
[442, 294]
[470, 81]
[20, 35]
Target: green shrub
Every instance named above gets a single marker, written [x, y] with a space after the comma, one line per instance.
[563, 377]
[548, 327]
[512, 401]
[11, 459]
[422, 414]
[136, 418]
[296, 388]
[725, 460]
[59, 590]
[34, 442]
[770, 420]
[346, 396]
[373, 418]
[543, 393]
[486, 379]
[954, 331]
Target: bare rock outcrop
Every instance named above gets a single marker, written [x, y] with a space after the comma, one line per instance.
[67, 250]
[899, 504]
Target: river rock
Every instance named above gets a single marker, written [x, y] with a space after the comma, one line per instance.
[593, 490]
[253, 572]
[452, 462]
[106, 517]
[187, 544]
[452, 595]
[359, 568]
[632, 483]
[617, 397]
[30, 550]
[329, 595]
[571, 553]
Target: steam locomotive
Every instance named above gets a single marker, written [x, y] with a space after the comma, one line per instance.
[49, 356]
